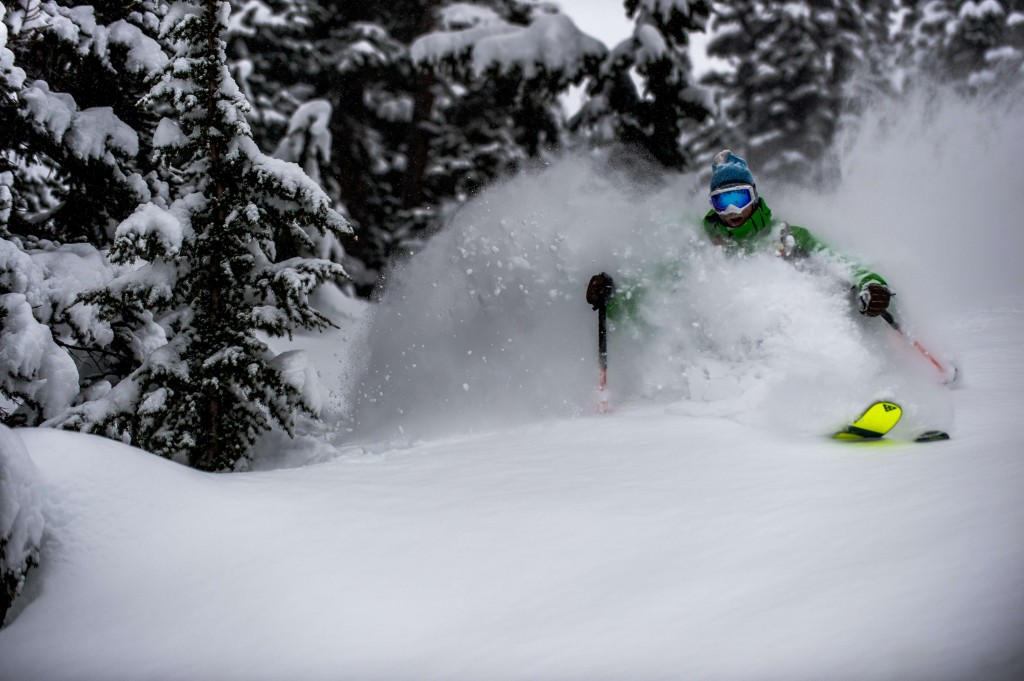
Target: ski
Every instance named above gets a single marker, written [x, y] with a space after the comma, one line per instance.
[874, 423]
[932, 436]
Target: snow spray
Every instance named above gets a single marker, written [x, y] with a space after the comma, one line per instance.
[488, 327]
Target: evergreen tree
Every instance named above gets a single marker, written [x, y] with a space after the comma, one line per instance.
[793, 70]
[977, 46]
[670, 104]
[71, 167]
[211, 278]
[411, 137]
[866, 72]
[372, 87]
[503, 69]
[288, 54]
[275, 54]
[74, 131]
[21, 516]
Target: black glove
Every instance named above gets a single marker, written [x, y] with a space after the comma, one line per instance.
[599, 290]
[874, 299]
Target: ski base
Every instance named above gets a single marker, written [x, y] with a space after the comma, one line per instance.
[874, 423]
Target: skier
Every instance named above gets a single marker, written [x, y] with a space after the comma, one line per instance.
[740, 218]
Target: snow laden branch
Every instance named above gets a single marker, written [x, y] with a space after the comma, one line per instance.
[67, 146]
[41, 314]
[308, 140]
[551, 50]
[21, 518]
[668, 106]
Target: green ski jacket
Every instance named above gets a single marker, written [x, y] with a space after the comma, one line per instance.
[790, 241]
[759, 232]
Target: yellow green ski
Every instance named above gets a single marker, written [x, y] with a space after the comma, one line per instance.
[874, 423]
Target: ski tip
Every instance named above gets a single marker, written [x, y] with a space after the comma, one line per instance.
[874, 423]
[932, 436]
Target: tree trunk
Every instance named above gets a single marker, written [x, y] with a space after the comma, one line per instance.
[211, 419]
[419, 134]
[419, 142]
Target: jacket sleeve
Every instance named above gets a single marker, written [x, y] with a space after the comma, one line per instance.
[808, 244]
[625, 302]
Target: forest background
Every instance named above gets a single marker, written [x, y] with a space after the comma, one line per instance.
[177, 180]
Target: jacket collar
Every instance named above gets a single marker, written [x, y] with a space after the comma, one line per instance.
[759, 222]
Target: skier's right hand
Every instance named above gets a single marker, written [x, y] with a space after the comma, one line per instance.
[874, 299]
[599, 290]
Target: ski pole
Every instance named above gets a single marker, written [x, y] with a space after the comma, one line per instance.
[602, 359]
[920, 348]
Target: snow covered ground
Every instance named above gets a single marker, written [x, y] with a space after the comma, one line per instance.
[463, 514]
[644, 545]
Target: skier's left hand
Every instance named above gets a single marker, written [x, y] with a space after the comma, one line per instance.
[599, 290]
[874, 299]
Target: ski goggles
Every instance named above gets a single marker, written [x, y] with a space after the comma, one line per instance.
[732, 200]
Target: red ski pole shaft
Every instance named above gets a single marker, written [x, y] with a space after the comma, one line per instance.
[917, 345]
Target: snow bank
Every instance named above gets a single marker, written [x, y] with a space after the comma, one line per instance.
[644, 545]
[21, 518]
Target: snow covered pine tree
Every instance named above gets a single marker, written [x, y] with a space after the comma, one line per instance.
[656, 120]
[211, 280]
[297, 52]
[791, 70]
[978, 46]
[490, 77]
[21, 518]
[71, 144]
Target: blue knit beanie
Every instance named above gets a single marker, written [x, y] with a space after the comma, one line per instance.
[728, 169]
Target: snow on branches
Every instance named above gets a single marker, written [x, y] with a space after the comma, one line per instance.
[217, 265]
[21, 518]
[551, 47]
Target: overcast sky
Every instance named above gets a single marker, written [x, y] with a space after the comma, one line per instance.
[604, 19]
